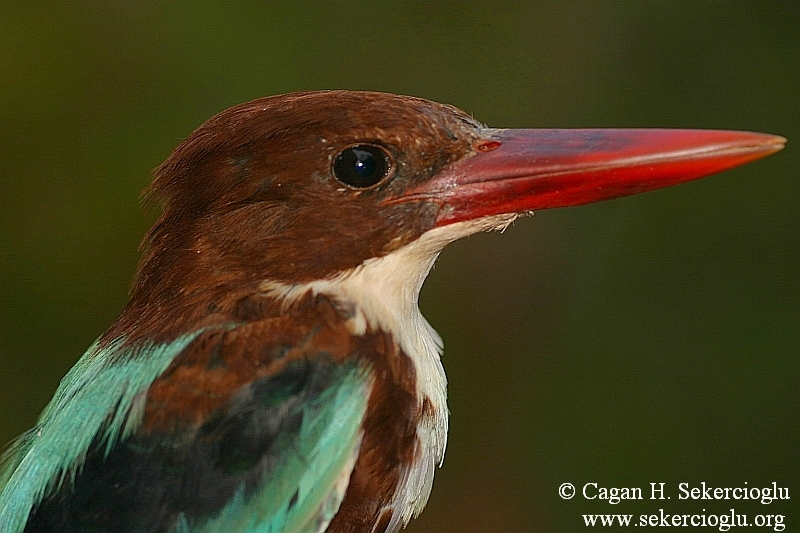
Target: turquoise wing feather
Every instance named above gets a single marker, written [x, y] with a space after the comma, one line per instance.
[304, 492]
[99, 393]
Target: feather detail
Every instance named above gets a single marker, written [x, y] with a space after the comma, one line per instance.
[303, 494]
[94, 399]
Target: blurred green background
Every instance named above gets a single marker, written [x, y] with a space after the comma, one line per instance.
[648, 339]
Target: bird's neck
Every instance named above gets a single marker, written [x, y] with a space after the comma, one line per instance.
[382, 294]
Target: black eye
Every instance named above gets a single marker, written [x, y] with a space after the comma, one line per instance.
[361, 166]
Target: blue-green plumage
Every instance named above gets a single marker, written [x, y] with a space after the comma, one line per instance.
[301, 494]
[270, 459]
[96, 402]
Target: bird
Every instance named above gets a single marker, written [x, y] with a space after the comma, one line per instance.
[271, 371]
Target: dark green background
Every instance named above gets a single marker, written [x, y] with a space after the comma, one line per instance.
[647, 339]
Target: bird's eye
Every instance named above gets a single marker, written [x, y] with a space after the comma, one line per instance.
[361, 166]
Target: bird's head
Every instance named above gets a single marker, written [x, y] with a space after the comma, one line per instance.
[299, 187]
[306, 186]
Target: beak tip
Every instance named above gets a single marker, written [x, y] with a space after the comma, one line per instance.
[777, 143]
[760, 145]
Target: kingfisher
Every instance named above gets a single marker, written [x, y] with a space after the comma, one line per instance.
[272, 372]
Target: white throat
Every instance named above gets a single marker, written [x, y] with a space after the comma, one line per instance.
[385, 294]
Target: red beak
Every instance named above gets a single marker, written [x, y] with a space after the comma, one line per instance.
[521, 170]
